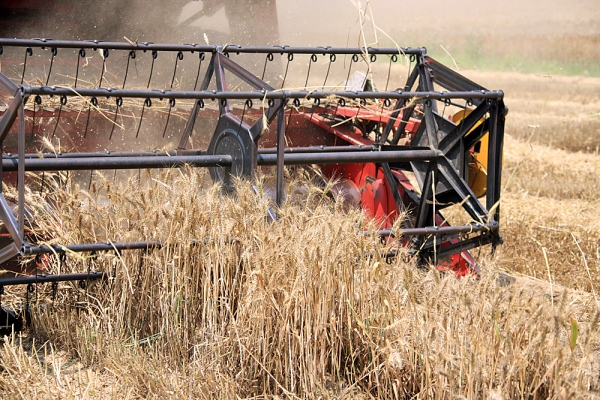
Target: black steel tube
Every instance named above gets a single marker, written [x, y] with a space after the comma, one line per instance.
[231, 48]
[82, 248]
[10, 115]
[8, 85]
[317, 149]
[21, 171]
[464, 245]
[109, 163]
[438, 230]
[258, 94]
[324, 50]
[52, 278]
[280, 156]
[10, 223]
[349, 157]
[95, 154]
[154, 153]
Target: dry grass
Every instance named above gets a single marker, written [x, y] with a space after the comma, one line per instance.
[567, 231]
[551, 186]
[551, 173]
[557, 111]
[291, 308]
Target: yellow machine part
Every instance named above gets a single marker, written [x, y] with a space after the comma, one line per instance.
[478, 162]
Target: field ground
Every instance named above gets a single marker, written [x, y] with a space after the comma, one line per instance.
[551, 185]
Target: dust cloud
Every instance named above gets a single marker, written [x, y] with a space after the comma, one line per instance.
[510, 29]
[307, 22]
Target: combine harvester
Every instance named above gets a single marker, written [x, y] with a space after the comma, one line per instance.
[434, 143]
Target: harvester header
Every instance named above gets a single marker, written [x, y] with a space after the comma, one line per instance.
[401, 155]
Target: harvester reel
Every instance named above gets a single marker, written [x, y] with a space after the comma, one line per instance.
[373, 171]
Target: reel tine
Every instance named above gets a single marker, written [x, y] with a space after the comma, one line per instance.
[119, 103]
[332, 58]
[200, 59]
[87, 121]
[247, 103]
[30, 289]
[104, 54]
[289, 119]
[35, 102]
[171, 105]
[172, 100]
[389, 73]
[148, 103]
[80, 55]
[62, 102]
[54, 51]
[268, 58]
[130, 57]
[28, 52]
[90, 181]
[354, 56]
[290, 57]
[179, 57]
[54, 292]
[154, 57]
[313, 57]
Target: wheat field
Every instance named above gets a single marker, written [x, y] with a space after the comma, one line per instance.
[236, 306]
[294, 309]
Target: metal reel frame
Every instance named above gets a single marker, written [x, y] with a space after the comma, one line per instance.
[436, 154]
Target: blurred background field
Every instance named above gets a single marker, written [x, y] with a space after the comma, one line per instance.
[542, 37]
